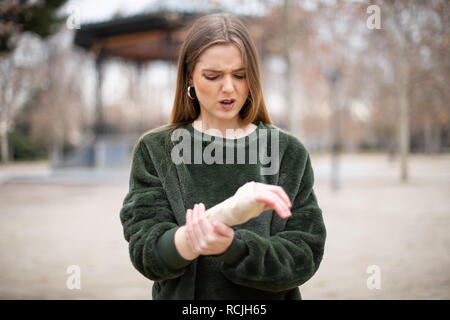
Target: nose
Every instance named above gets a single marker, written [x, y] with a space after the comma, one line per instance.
[227, 85]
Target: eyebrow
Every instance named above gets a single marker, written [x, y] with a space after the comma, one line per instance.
[212, 70]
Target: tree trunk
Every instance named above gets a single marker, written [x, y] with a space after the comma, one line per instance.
[293, 117]
[427, 135]
[404, 122]
[437, 139]
[5, 145]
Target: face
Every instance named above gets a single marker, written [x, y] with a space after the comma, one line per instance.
[220, 74]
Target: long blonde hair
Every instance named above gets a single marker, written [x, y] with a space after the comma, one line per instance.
[208, 30]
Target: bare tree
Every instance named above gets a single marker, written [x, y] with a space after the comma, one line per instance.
[17, 18]
[11, 87]
[17, 79]
[58, 116]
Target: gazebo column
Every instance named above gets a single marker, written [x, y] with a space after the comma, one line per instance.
[99, 150]
[99, 126]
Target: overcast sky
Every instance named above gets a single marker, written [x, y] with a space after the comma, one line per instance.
[100, 10]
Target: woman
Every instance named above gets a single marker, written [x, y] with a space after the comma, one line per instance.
[207, 217]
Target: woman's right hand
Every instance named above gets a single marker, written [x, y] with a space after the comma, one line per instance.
[204, 237]
[274, 197]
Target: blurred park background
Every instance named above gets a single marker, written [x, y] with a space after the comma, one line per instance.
[361, 83]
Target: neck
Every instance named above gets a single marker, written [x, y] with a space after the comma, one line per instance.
[204, 123]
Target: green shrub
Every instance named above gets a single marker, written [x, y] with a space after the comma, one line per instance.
[22, 148]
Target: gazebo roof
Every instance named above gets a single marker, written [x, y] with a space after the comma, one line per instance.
[137, 38]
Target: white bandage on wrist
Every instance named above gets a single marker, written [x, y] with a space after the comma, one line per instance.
[237, 209]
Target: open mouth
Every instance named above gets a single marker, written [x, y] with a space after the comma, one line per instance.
[227, 103]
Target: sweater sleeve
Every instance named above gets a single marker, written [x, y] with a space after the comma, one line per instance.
[146, 217]
[291, 257]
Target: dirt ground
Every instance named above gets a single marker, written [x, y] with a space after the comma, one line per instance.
[373, 219]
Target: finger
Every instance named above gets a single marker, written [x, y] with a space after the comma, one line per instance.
[199, 235]
[204, 223]
[276, 203]
[222, 229]
[205, 226]
[280, 191]
[263, 199]
[281, 208]
[190, 236]
[193, 233]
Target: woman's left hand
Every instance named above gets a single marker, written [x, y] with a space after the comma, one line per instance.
[204, 237]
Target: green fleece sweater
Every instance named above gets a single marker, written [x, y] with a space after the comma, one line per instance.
[269, 256]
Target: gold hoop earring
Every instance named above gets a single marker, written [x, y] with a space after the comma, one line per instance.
[189, 93]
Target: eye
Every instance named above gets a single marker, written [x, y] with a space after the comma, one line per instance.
[239, 76]
[211, 78]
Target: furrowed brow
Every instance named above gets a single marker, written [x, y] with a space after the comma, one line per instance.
[217, 71]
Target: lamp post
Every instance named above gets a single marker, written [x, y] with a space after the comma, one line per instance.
[333, 76]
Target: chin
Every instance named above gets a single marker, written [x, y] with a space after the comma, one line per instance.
[229, 115]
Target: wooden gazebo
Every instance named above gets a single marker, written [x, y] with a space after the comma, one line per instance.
[139, 38]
